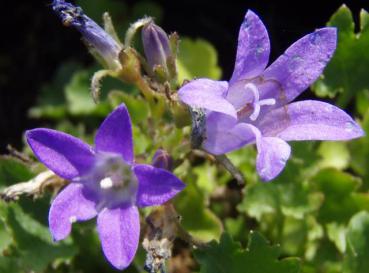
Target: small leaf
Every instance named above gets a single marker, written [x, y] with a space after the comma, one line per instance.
[78, 96]
[334, 155]
[359, 150]
[137, 107]
[204, 224]
[13, 171]
[356, 259]
[337, 234]
[197, 58]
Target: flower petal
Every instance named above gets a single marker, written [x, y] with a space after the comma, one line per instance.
[224, 135]
[155, 186]
[253, 48]
[208, 94]
[299, 66]
[119, 232]
[273, 154]
[115, 134]
[310, 120]
[67, 156]
[73, 203]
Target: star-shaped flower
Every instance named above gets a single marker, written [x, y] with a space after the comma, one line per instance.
[105, 182]
[254, 106]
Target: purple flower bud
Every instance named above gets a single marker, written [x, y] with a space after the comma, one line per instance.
[156, 45]
[97, 38]
[162, 160]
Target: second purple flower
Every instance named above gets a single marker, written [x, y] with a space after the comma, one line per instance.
[254, 106]
[105, 182]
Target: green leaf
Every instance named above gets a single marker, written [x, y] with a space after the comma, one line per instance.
[197, 58]
[34, 247]
[141, 141]
[334, 155]
[260, 199]
[339, 201]
[337, 234]
[229, 256]
[356, 259]
[51, 100]
[5, 237]
[346, 74]
[137, 107]
[13, 171]
[359, 150]
[79, 99]
[203, 224]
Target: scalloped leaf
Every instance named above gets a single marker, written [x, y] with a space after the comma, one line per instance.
[346, 75]
[259, 257]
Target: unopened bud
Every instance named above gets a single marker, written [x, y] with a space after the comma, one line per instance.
[162, 160]
[157, 48]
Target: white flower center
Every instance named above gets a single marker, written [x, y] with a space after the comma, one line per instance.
[106, 183]
[257, 103]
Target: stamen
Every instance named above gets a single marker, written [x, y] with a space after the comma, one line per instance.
[267, 102]
[106, 183]
[72, 219]
[257, 103]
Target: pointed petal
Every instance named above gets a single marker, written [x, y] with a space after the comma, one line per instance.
[119, 232]
[299, 66]
[253, 48]
[155, 186]
[273, 154]
[67, 156]
[224, 135]
[208, 94]
[73, 203]
[310, 120]
[115, 134]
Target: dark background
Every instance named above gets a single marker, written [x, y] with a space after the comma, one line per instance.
[34, 43]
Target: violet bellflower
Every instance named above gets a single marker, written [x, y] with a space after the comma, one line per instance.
[105, 182]
[254, 106]
[98, 40]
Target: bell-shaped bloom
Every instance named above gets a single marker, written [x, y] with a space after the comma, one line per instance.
[98, 40]
[105, 182]
[156, 46]
[255, 105]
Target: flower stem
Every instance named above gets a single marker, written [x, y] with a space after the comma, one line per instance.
[224, 160]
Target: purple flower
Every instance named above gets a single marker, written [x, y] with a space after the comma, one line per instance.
[254, 106]
[100, 42]
[106, 182]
